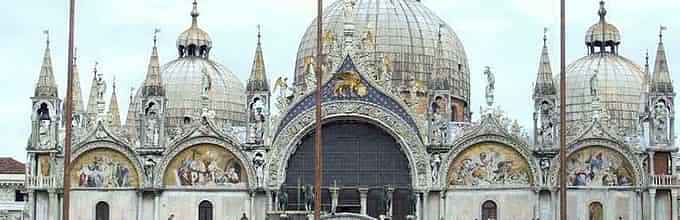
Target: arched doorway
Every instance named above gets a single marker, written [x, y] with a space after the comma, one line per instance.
[595, 211]
[356, 155]
[489, 211]
[102, 211]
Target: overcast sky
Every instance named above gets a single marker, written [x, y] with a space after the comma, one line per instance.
[504, 34]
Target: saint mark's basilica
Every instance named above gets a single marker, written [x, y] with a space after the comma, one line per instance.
[399, 139]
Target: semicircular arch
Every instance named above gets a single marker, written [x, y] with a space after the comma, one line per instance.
[105, 164]
[206, 162]
[488, 160]
[285, 144]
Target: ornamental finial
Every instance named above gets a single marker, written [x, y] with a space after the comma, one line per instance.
[47, 37]
[155, 36]
[603, 11]
[661, 30]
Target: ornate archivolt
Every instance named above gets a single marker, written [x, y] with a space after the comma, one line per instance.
[288, 138]
[205, 162]
[488, 160]
[599, 162]
[105, 164]
[605, 147]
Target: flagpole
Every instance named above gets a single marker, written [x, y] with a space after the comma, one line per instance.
[317, 139]
[563, 107]
[69, 113]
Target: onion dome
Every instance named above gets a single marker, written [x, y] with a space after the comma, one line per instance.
[194, 41]
[406, 32]
[603, 34]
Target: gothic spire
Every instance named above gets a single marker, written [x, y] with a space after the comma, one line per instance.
[77, 91]
[661, 78]
[114, 113]
[438, 79]
[153, 83]
[544, 78]
[258, 75]
[46, 85]
[92, 100]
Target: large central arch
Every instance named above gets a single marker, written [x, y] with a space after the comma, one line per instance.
[286, 143]
[356, 154]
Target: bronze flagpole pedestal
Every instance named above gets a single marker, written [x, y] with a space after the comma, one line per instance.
[563, 108]
[318, 138]
[69, 113]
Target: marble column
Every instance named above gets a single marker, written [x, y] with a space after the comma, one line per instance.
[651, 162]
[140, 203]
[419, 206]
[30, 205]
[275, 194]
[53, 213]
[652, 204]
[674, 204]
[426, 208]
[363, 195]
[251, 206]
[442, 204]
[555, 204]
[157, 206]
[390, 194]
[269, 201]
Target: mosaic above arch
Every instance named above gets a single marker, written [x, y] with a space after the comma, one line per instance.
[104, 168]
[489, 164]
[205, 165]
[599, 166]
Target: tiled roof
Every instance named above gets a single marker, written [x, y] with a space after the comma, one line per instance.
[9, 165]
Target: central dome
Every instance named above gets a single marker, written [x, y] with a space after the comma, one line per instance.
[405, 31]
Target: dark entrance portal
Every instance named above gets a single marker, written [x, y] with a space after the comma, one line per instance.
[356, 155]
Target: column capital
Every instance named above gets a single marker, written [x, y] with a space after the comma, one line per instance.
[674, 192]
[652, 191]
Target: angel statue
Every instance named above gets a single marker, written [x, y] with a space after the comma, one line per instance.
[285, 92]
[349, 8]
[310, 73]
[206, 82]
[490, 85]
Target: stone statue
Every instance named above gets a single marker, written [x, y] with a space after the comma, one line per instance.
[44, 134]
[283, 199]
[308, 197]
[547, 124]
[101, 87]
[259, 162]
[388, 200]
[545, 169]
[593, 84]
[206, 82]
[386, 75]
[149, 165]
[661, 122]
[152, 130]
[412, 199]
[310, 73]
[257, 119]
[435, 164]
[349, 8]
[285, 93]
[490, 86]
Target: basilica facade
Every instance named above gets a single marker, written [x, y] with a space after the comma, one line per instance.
[398, 135]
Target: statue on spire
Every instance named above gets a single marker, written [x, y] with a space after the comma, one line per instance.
[593, 84]
[206, 83]
[101, 84]
[490, 85]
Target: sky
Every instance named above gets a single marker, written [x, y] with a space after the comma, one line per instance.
[504, 34]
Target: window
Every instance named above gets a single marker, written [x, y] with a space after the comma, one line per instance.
[489, 211]
[18, 196]
[102, 211]
[205, 211]
[595, 211]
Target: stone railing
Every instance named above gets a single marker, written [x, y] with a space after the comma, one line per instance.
[662, 180]
[43, 182]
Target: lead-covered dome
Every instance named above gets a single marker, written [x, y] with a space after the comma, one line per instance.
[193, 81]
[406, 31]
[603, 74]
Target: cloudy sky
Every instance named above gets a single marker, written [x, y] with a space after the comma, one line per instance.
[504, 34]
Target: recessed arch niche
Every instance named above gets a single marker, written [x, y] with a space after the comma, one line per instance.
[489, 163]
[599, 166]
[103, 168]
[205, 165]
